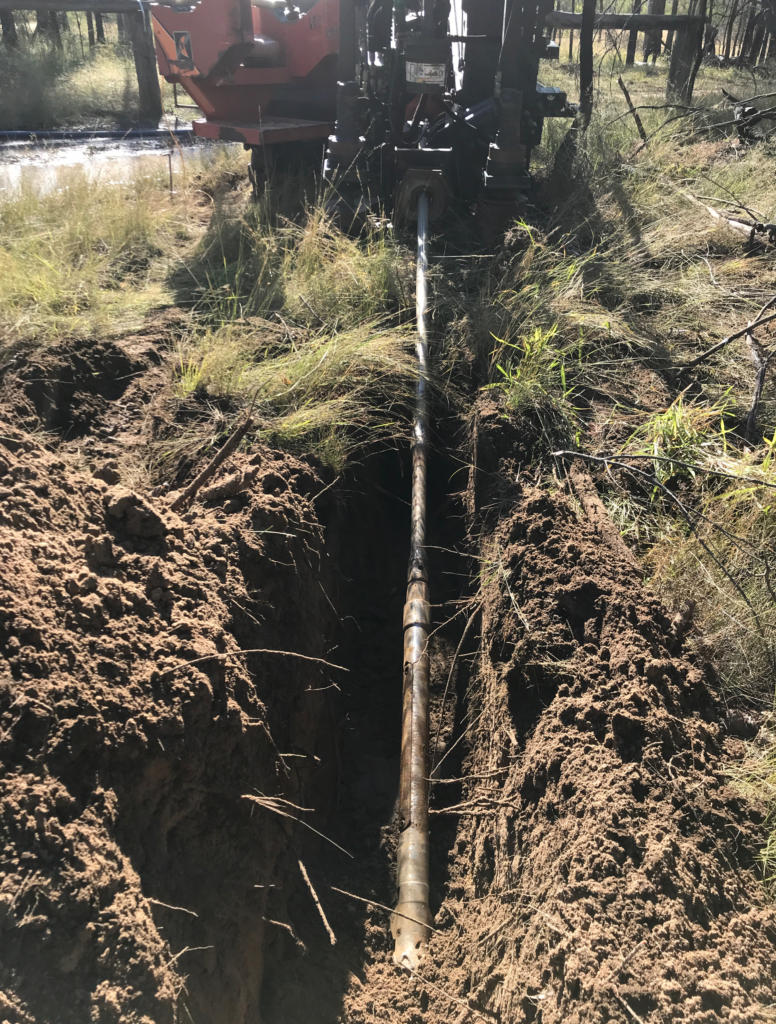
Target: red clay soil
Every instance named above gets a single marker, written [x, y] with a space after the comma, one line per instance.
[593, 866]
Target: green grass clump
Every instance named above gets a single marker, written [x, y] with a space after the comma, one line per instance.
[78, 260]
[302, 320]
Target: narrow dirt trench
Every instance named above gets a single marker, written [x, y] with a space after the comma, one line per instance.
[368, 543]
[188, 702]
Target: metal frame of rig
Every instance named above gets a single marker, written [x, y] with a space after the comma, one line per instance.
[272, 75]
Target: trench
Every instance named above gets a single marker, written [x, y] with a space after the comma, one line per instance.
[369, 547]
[594, 747]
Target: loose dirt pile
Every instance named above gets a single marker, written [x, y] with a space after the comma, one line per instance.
[124, 829]
[589, 863]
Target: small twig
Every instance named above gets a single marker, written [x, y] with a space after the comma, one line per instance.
[186, 949]
[252, 650]
[454, 745]
[632, 109]
[613, 973]
[382, 906]
[468, 778]
[453, 999]
[627, 1006]
[286, 927]
[169, 906]
[316, 315]
[270, 804]
[315, 497]
[450, 676]
[187, 496]
[314, 894]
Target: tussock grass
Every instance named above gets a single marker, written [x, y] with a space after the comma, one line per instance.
[309, 323]
[78, 261]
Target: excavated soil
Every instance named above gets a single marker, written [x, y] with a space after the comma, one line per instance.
[189, 701]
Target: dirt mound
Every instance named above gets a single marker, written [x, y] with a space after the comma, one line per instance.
[602, 870]
[131, 861]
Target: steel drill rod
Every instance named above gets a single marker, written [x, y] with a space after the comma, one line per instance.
[410, 934]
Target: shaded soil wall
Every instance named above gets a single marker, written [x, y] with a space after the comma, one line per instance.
[130, 864]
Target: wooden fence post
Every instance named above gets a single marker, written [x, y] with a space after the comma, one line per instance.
[685, 61]
[633, 37]
[8, 24]
[144, 52]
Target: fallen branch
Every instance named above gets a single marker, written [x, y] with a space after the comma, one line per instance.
[731, 337]
[629, 101]
[187, 496]
[687, 465]
[761, 361]
[314, 894]
[750, 228]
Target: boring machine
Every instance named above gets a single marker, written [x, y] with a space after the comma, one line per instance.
[403, 96]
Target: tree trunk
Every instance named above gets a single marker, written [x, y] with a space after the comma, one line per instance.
[742, 22]
[42, 24]
[586, 63]
[10, 38]
[144, 52]
[90, 29]
[685, 61]
[757, 45]
[571, 31]
[749, 31]
[54, 31]
[633, 36]
[99, 26]
[121, 26]
[729, 28]
[653, 40]
[670, 36]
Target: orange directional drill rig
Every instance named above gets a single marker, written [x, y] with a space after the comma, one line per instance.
[376, 79]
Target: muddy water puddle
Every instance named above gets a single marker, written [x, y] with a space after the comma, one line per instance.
[41, 167]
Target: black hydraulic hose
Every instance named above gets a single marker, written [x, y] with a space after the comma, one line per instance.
[411, 923]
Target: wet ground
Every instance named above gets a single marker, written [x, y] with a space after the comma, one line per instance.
[38, 165]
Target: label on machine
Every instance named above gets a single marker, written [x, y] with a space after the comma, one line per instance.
[426, 74]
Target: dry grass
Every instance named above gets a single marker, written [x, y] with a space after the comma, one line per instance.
[42, 88]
